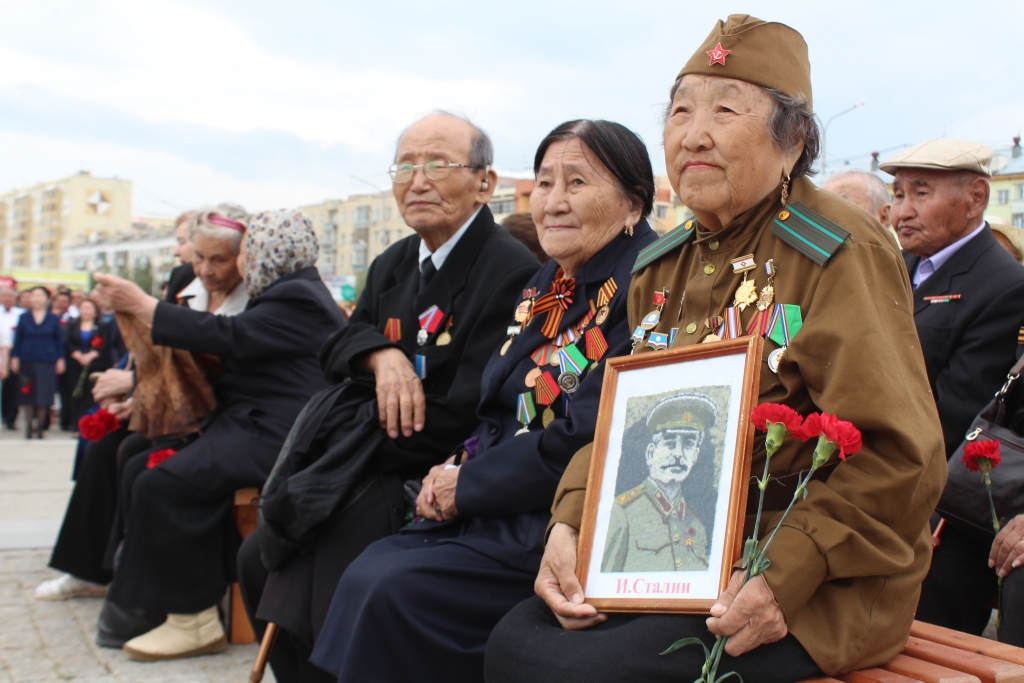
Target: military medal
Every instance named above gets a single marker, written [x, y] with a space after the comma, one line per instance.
[547, 417]
[760, 323]
[531, 377]
[637, 338]
[650, 320]
[604, 298]
[729, 328]
[602, 315]
[572, 364]
[393, 330]
[942, 299]
[429, 320]
[445, 338]
[547, 389]
[555, 303]
[511, 331]
[595, 345]
[526, 411]
[786, 322]
[658, 341]
[746, 293]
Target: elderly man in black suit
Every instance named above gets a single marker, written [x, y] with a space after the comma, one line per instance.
[969, 307]
[407, 375]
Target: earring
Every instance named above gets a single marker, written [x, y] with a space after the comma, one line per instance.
[628, 230]
[785, 190]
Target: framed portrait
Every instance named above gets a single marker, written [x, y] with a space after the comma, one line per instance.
[666, 498]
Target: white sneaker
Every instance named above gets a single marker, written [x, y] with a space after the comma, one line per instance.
[182, 635]
[68, 586]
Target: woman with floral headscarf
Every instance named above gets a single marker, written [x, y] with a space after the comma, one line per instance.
[177, 555]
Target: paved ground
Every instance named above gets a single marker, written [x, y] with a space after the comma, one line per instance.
[55, 641]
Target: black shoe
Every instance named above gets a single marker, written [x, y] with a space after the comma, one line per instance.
[117, 625]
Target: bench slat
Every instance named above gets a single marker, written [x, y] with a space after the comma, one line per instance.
[967, 642]
[927, 672]
[876, 676]
[989, 670]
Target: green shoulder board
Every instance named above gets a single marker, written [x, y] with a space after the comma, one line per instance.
[664, 245]
[810, 233]
[631, 495]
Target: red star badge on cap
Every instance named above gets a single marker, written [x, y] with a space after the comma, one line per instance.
[718, 55]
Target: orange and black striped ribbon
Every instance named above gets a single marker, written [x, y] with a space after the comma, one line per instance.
[555, 303]
[608, 289]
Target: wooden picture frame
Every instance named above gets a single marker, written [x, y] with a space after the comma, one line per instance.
[677, 422]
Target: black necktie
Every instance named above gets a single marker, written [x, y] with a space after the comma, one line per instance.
[427, 271]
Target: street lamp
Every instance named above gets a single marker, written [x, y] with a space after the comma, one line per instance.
[824, 135]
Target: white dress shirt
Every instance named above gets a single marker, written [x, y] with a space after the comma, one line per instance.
[199, 298]
[439, 255]
[926, 267]
[8, 322]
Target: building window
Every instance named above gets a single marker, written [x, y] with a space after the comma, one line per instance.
[1002, 196]
[1018, 192]
[341, 238]
[387, 213]
[361, 217]
[1018, 220]
[662, 211]
[500, 207]
[341, 217]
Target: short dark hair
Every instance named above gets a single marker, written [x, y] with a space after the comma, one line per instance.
[790, 123]
[621, 150]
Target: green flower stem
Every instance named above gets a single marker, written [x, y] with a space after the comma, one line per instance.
[77, 393]
[996, 526]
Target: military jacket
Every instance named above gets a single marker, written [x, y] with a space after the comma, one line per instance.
[847, 566]
[649, 533]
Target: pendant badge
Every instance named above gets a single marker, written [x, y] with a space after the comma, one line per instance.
[650, 320]
[445, 338]
[547, 417]
[526, 411]
[775, 357]
[429, 319]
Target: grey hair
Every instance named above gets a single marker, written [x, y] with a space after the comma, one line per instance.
[790, 123]
[199, 224]
[874, 187]
[481, 149]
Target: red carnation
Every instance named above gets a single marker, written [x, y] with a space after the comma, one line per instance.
[157, 457]
[982, 455]
[767, 414]
[96, 426]
[26, 388]
[96, 343]
[838, 432]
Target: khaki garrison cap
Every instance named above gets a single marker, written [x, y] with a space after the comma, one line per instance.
[686, 411]
[760, 52]
[942, 154]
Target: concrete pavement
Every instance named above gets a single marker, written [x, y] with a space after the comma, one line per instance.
[44, 642]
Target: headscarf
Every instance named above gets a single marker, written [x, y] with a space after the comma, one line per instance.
[277, 243]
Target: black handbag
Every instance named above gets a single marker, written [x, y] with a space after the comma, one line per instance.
[964, 499]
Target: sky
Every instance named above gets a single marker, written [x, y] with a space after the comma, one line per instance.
[274, 104]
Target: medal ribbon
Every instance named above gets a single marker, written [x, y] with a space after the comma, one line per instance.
[787, 322]
[595, 344]
[430, 319]
[571, 360]
[760, 323]
[543, 353]
[393, 330]
[421, 366]
[555, 303]
[547, 389]
[526, 411]
[608, 289]
[730, 328]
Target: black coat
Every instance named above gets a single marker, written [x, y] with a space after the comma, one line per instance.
[969, 343]
[180, 278]
[480, 280]
[268, 353]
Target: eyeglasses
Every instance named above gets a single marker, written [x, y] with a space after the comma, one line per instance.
[435, 169]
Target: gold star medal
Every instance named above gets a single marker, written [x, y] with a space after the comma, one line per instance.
[746, 293]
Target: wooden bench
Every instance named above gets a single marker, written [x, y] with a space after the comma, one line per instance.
[939, 655]
[244, 513]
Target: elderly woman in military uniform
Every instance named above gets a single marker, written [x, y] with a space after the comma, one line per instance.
[847, 565]
[420, 605]
[652, 528]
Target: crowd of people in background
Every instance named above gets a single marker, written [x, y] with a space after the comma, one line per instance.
[423, 456]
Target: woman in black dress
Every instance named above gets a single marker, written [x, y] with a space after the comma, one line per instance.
[38, 357]
[88, 350]
[179, 545]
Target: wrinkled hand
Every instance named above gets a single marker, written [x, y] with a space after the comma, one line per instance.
[400, 399]
[436, 501]
[557, 585]
[1008, 549]
[124, 295]
[748, 614]
[59, 366]
[112, 384]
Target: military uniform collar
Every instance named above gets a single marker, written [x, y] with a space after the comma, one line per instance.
[661, 502]
[736, 235]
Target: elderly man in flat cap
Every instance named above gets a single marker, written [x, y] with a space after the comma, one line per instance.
[968, 294]
[653, 527]
[847, 565]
